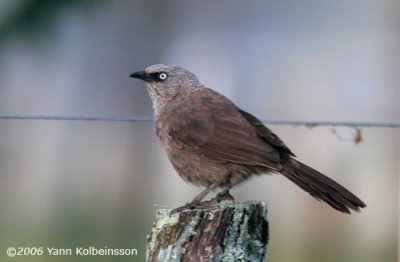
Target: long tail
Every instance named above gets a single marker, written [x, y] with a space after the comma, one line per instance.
[321, 187]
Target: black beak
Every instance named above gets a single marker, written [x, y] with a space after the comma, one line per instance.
[141, 75]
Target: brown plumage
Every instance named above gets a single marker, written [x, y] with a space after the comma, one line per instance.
[212, 143]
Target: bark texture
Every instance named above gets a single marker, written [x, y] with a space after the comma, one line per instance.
[223, 232]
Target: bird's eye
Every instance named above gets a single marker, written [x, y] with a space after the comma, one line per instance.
[162, 76]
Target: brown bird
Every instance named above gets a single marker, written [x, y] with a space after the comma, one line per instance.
[213, 143]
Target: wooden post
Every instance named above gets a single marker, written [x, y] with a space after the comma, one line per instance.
[223, 232]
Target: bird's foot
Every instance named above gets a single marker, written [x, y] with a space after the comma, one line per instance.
[195, 204]
[204, 204]
[224, 196]
[192, 205]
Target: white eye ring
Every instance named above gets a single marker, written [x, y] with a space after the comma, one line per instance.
[162, 76]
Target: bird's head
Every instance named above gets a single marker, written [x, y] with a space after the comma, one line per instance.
[165, 82]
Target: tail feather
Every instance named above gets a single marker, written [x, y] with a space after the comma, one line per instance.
[321, 187]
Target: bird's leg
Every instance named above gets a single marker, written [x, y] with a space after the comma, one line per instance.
[197, 200]
[205, 192]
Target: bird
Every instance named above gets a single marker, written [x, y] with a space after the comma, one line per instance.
[213, 143]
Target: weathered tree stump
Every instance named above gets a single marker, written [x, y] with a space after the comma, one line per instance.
[223, 232]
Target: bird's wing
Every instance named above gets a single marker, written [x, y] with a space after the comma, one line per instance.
[265, 133]
[213, 126]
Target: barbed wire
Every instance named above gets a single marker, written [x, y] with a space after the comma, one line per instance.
[148, 119]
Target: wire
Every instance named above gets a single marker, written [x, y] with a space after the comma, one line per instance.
[77, 118]
[147, 119]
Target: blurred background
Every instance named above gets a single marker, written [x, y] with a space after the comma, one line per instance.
[67, 184]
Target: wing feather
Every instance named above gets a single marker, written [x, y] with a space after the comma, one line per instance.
[221, 133]
[265, 133]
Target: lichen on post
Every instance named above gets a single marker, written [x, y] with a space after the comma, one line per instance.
[221, 232]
